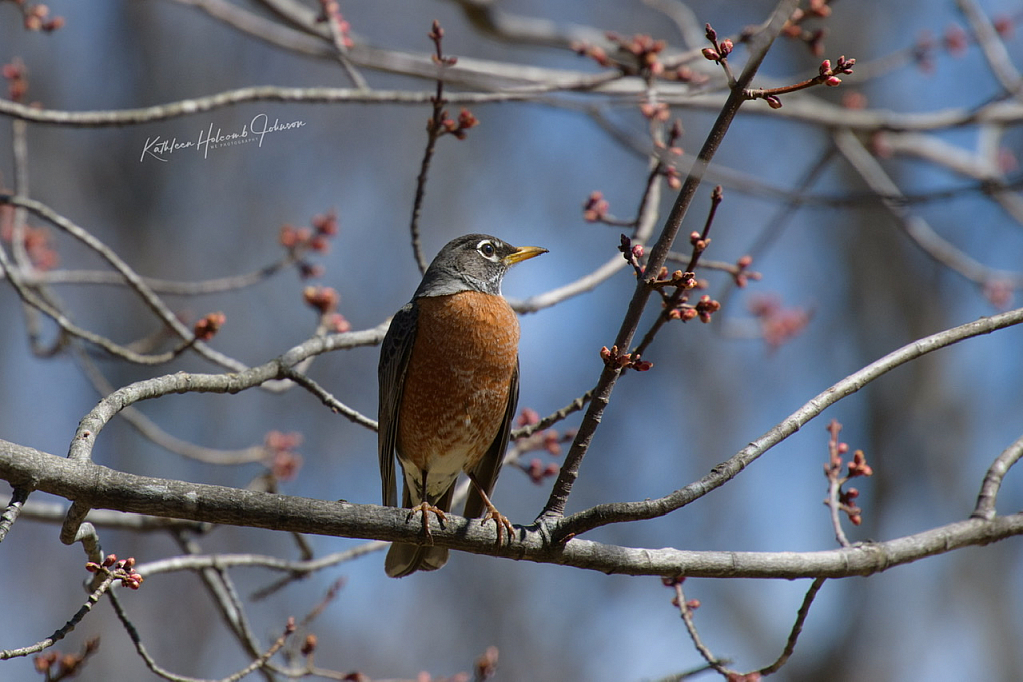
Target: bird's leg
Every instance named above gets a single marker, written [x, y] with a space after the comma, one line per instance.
[425, 508]
[499, 519]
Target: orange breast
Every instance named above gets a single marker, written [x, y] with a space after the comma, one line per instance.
[456, 384]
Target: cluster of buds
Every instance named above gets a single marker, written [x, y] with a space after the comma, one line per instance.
[691, 604]
[685, 74]
[325, 301]
[594, 52]
[596, 207]
[538, 472]
[643, 49]
[614, 358]
[332, 13]
[58, 666]
[674, 135]
[743, 274]
[485, 665]
[673, 178]
[833, 471]
[16, 75]
[37, 17]
[37, 242]
[436, 35]
[119, 569]
[778, 324]
[721, 50]
[665, 167]
[632, 253]
[639, 54]
[677, 305]
[445, 125]
[281, 457]
[645, 53]
[655, 111]
[301, 240]
[678, 279]
[706, 307]
[699, 242]
[547, 440]
[955, 41]
[999, 293]
[206, 328]
[828, 74]
[817, 9]
[675, 583]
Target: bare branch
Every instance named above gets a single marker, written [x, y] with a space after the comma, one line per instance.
[97, 486]
[985, 508]
[12, 510]
[602, 392]
[631, 511]
[64, 630]
[915, 227]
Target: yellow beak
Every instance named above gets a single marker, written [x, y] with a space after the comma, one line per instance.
[523, 253]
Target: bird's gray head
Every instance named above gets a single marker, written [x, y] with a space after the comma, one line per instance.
[474, 262]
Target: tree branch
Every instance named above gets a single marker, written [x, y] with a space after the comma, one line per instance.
[97, 486]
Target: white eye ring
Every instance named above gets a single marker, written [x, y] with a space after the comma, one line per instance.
[487, 249]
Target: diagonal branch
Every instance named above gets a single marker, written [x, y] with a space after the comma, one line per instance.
[620, 512]
[555, 506]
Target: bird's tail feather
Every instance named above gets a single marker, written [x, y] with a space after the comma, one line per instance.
[403, 560]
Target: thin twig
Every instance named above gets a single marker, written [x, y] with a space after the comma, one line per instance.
[161, 286]
[328, 399]
[553, 418]
[225, 597]
[30, 298]
[998, 58]
[61, 633]
[152, 301]
[914, 226]
[633, 511]
[680, 293]
[602, 391]
[148, 429]
[333, 19]
[687, 617]
[797, 628]
[833, 471]
[144, 654]
[434, 130]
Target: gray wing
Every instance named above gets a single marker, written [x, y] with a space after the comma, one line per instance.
[394, 355]
[489, 466]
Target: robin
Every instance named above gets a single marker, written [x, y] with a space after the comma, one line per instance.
[449, 384]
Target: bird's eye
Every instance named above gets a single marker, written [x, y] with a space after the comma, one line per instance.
[486, 248]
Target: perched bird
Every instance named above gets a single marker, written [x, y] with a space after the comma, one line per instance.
[449, 384]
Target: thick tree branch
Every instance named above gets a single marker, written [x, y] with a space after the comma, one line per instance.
[99, 487]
